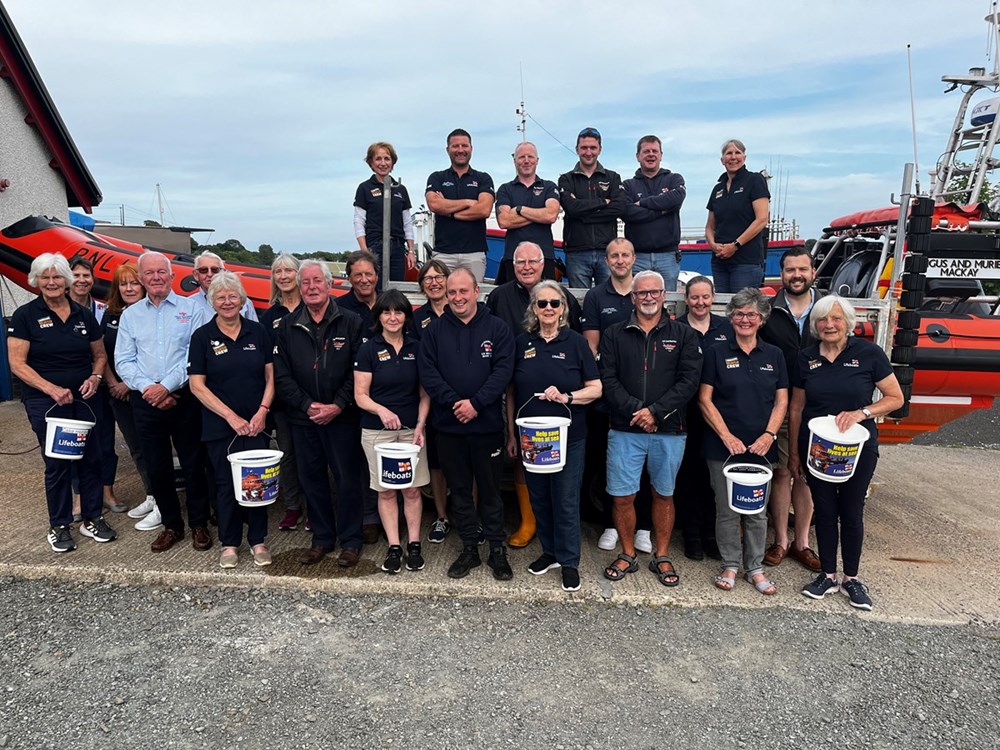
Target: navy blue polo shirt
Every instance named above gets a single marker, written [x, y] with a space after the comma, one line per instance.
[733, 210]
[514, 194]
[744, 387]
[423, 316]
[351, 302]
[846, 384]
[58, 351]
[233, 370]
[395, 380]
[603, 307]
[452, 235]
[369, 197]
[565, 362]
[720, 330]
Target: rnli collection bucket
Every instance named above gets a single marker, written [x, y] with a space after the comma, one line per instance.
[66, 438]
[255, 476]
[397, 465]
[748, 481]
[834, 454]
[543, 441]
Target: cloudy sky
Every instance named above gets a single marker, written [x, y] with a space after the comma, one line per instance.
[254, 117]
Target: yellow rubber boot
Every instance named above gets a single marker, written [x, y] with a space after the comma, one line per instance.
[523, 536]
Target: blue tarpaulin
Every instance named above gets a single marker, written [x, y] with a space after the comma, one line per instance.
[81, 220]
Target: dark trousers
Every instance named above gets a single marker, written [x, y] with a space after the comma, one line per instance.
[338, 446]
[839, 512]
[179, 426]
[694, 495]
[126, 423]
[474, 458]
[104, 434]
[555, 500]
[230, 512]
[58, 491]
[291, 489]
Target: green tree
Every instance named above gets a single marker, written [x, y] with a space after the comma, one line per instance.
[987, 194]
[266, 254]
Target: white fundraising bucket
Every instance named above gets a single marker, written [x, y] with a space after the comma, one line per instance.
[66, 438]
[833, 454]
[397, 465]
[255, 476]
[544, 441]
[748, 481]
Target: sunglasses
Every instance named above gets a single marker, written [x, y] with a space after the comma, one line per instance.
[203, 270]
[543, 303]
[590, 133]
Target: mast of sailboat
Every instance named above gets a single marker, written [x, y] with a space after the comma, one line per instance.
[159, 202]
[523, 127]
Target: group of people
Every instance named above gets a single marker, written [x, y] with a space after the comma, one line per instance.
[592, 199]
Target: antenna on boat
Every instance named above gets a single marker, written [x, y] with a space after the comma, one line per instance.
[523, 127]
[913, 118]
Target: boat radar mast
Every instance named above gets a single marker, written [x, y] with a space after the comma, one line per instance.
[970, 148]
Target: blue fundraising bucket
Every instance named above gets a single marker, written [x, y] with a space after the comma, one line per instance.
[255, 476]
[66, 438]
[397, 465]
[749, 482]
[833, 454]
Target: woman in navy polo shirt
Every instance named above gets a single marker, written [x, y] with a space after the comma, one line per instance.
[738, 210]
[369, 210]
[230, 373]
[55, 349]
[744, 397]
[394, 410]
[694, 495]
[837, 376]
[555, 375]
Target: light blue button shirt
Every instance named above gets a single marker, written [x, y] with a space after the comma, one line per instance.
[208, 312]
[153, 342]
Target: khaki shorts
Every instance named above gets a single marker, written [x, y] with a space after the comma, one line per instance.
[782, 462]
[371, 438]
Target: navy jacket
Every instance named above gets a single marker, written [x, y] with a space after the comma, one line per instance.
[654, 226]
[590, 221]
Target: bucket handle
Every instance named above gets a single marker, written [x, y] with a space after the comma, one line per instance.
[517, 416]
[82, 402]
[229, 449]
[746, 453]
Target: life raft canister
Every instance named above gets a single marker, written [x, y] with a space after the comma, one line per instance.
[985, 112]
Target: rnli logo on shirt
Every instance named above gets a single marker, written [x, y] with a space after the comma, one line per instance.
[609, 311]
[409, 357]
[767, 368]
[250, 348]
[183, 318]
[529, 353]
[276, 323]
[721, 337]
[80, 327]
[45, 322]
[814, 363]
[218, 347]
[559, 355]
[473, 183]
[448, 183]
[732, 363]
[668, 344]
[738, 190]
[852, 363]
[384, 356]
[538, 190]
[604, 186]
[486, 349]
[338, 343]
[112, 325]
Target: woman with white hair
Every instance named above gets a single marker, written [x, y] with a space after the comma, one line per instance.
[56, 350]
[838, 376]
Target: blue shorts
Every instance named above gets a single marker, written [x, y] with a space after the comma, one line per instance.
[628, 451]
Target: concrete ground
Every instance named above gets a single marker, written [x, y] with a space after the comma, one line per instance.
[932, 528]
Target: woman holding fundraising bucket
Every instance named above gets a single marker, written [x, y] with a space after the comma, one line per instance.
[55, 349]
[744, 397]
[394, 410]
[837, 377]
[554, 376]
[230, 373]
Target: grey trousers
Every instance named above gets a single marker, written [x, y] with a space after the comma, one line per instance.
[727, 528]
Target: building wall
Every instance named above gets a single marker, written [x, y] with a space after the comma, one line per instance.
[158, 237]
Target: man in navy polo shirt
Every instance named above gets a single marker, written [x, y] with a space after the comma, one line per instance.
[527, 207]
[461, 198]
[609, 302]
[653, 213]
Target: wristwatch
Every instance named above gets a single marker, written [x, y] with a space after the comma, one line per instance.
[569, 397]
[518, 210]
[738, 244]
[867, 412]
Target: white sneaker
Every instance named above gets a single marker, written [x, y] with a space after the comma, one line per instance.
[151, 521]
[608, 540]
[144, 508]
[642, 541]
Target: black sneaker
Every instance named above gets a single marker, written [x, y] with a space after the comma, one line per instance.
[543, 565]
[821, 587]
[466, 561]
[98, 530]
[857, 592]
[570, 579]
[498, 562]
[60, 540]
[414, 560]
[394, 560]
[439, 530]
[481, 539]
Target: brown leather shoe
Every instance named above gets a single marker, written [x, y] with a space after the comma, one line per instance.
[369, 533]
[314, 554]
[807, 558]
[165, 540]
[349, 557]
[775, 554]
[201, 540]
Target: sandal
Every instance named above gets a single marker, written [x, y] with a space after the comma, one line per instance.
[666, 577]
[614, 573]
[765, 586]
[724, 582]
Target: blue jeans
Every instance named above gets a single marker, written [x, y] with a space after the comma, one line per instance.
[584, 265]
[555, 500]
[730, 278]
[663, 263]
